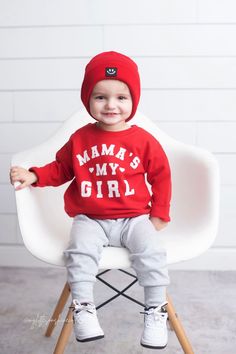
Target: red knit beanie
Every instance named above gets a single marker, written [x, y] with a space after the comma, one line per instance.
[115, 66]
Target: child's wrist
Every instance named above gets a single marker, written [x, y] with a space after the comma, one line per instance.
[34, 177]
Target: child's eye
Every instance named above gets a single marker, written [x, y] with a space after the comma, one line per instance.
[100, 97]
[122, 98]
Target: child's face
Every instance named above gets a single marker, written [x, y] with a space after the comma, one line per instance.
[111, 104]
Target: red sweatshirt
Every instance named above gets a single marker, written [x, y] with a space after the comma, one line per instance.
[108, 172]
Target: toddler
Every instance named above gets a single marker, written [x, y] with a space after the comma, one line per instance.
[108, 162]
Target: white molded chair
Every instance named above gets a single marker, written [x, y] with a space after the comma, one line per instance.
[45, 227]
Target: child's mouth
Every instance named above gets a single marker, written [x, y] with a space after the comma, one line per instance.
[110, 114]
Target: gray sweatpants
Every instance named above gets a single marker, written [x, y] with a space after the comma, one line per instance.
[137, 234]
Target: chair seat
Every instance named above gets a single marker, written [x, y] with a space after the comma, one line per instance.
[118, 257]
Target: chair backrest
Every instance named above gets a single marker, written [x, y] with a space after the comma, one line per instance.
[194, 208]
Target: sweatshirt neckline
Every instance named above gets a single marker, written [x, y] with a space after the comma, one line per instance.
[100, 131]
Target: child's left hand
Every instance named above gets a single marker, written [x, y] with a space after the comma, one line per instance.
[158, 223]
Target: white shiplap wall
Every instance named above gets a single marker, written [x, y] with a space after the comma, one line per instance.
[186, 52]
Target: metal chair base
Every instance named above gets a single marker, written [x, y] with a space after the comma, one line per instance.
[119, 292]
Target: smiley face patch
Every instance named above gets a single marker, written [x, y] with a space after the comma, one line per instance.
[111, 72]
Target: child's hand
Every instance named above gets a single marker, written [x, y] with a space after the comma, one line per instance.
[25, 177]
[158, 223]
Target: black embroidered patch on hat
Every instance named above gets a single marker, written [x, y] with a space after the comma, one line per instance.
[111, 72]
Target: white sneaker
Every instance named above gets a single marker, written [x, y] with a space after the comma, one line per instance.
[155, 334]
[86, 325]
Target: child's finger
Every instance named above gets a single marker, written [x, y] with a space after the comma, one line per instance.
[14, 174]
[19, 186]
[14, 169]
[16, 185]
[14, 178]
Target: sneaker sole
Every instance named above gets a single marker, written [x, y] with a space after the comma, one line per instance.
[152, 346]
[90, 339]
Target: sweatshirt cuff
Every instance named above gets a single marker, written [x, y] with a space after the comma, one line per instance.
[161, 211]
[40, 182]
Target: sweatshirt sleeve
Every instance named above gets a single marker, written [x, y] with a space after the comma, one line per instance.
[57, 172]
[159, 177]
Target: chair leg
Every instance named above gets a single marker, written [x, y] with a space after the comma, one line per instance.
[65, 333]
[58, 310]
[178, 328]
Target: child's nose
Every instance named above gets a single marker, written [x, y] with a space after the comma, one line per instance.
[111, 103]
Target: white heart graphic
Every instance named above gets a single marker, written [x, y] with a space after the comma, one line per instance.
[122, 169]
[91, 169]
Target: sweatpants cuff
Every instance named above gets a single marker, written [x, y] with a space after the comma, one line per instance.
[82, 291]
[154, 295]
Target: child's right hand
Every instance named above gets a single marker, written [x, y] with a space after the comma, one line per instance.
[25, 177]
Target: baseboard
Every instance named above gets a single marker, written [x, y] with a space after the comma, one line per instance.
[220, 259]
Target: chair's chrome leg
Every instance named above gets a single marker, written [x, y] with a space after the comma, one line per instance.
[178, 328]
[58, 310]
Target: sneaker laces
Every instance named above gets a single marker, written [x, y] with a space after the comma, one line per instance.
[155, 316]
[78, 307]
